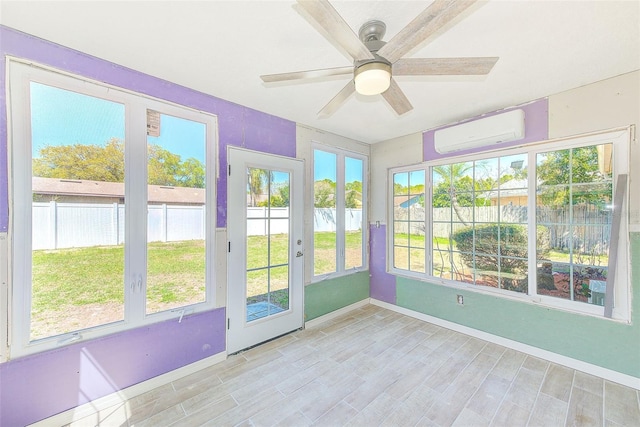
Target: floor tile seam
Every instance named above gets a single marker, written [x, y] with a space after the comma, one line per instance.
[175, 423]
[462, 410]
[480, 386]
[573, 382]
[233, 375]
[226, 394]
[504, 398]
[355, 409]
[246, 404]
[604, 400]
[531, 411]
[459, 373]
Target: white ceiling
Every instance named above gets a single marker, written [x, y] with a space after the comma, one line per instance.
[222, 47]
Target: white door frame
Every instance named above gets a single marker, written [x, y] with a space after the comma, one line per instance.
[242, 334]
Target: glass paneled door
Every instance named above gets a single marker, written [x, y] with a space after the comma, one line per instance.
[265, 232]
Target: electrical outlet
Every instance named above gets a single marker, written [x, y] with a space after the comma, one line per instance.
[460, 299]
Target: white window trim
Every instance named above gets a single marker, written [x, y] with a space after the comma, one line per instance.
[620, 137]
[340, 210]
[19, 75]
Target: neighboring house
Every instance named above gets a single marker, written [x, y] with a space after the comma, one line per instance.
[85, 191]
[406, 201]
[513, 193]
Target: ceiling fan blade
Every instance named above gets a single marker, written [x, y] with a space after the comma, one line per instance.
[309, 74]
[337, 100]
[434, 17]
[443, 66]
[336, 30]
[397, 99]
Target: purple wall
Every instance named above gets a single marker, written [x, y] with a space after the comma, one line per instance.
[237, 125]
[38, 386]
[41, 385]
[382, 284]
[536, 128]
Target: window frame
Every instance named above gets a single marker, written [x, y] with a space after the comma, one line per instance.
[619, 137]
[19, 76]
[340, 210]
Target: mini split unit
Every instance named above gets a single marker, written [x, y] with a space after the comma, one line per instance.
[483, 132]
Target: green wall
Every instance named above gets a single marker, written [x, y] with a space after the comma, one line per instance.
[332, 294]
[601, 342]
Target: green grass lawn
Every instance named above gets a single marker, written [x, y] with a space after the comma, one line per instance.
[84, 287]
[324, 250]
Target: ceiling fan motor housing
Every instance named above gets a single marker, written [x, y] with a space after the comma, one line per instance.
[371, 34]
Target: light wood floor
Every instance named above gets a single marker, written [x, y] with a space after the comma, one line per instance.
[375, 367]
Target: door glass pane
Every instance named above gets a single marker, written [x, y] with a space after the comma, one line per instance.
[353, 212]
[268, 252]
[176, 212]
[78, 211]
[324, 213]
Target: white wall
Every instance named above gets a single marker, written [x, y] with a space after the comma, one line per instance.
[402, 151]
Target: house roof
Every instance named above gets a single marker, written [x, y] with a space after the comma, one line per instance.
[99, 189]
[405, 201]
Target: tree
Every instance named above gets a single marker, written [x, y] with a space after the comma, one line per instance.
[162, 167]
[281, 197]
[453, 177]
[324, 192]
[257, 179]
[353, 195]
[105, 163]
[79, 161]
[191, 173]
[559, 169]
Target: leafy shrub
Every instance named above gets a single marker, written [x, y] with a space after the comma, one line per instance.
[492, 241]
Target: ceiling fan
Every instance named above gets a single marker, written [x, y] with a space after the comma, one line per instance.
[376, 61]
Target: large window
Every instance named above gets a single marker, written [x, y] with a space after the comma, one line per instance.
[100, 243]
[339, 192]
[475, 227]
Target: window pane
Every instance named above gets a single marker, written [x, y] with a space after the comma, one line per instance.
[325, 224]
[78, 211]
[401, 257]
[574, 210]
[353, 212]
[513, 189]
[409, 220]
[176, 220]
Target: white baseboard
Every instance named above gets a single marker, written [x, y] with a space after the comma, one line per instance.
[318, 320]
[576, 364]
[121, 396]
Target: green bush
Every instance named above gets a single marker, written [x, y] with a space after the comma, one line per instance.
[492, 241]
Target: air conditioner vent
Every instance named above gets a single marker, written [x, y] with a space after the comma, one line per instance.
[483, 132]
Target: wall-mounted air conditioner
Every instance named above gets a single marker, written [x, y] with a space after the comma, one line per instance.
[484, 132]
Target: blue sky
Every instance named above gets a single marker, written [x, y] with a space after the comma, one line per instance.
[61, 117]
[325, 167]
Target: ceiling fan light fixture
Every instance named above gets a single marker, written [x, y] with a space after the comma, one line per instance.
[372, 78]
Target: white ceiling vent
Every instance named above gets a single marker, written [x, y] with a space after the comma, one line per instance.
[484, 132]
